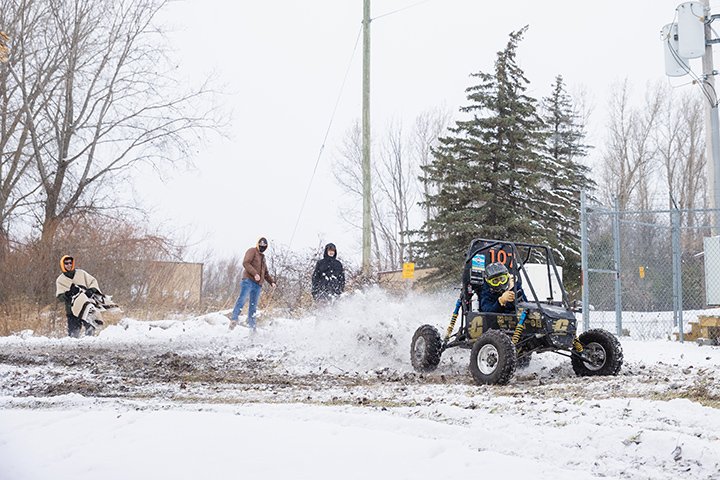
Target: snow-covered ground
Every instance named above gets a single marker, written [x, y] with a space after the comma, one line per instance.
[333, 395]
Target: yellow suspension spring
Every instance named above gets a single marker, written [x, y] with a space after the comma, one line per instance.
[519, 328]
[518, 331]
[577, 346]
[453, 319]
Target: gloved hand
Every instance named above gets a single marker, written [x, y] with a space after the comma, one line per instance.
[507, 296]
[74, 290]
[91, 291]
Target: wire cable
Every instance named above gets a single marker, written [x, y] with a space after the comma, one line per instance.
[714, 32]
[682, 62]
[332, 116]
[703, 84]
[399, 10]
[327, 132]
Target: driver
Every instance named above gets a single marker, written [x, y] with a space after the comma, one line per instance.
[498, 294]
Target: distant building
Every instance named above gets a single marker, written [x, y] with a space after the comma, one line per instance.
[393, 279]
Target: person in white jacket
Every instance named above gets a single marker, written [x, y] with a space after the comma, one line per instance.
[71, 284]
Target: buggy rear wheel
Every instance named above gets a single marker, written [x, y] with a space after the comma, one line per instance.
[425, 349]
[493, 359]
[602, 354]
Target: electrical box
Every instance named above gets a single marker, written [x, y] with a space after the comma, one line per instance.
[711, 251]
[675, 65]
[691, 29]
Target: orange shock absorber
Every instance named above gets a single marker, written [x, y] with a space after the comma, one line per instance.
[519, 328]
[577, 346]
[453, 319]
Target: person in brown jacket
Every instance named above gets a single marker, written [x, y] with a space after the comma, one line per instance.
[254, 272]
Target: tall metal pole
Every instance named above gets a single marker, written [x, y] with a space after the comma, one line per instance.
[366, 140]
[677, 273]
[584, 261]
[712, 126]
[618, 269]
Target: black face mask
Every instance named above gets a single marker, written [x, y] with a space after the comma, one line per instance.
[262, 248]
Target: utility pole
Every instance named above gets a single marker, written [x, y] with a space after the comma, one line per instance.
[366, 141]
[712, 127]
[691, 37]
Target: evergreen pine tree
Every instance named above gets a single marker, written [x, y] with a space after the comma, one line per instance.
[485, 171]
[564, 177]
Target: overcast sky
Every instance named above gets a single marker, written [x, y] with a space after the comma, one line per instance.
[282, 64]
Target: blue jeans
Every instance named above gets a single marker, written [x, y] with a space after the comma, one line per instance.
[247, 287]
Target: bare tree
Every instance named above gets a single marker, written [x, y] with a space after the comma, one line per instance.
[347, 168]
[98, 98]
[348, 173]
[21, 87]
[395, 183]
[682, 147]
[631, 152]
[395, 178]
[681, 142]
[429, 125]
[666, 131]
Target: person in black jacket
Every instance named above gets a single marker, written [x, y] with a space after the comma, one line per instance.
[328, 279]
[499, 290]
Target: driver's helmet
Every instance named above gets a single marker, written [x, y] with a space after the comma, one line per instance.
[497, 277]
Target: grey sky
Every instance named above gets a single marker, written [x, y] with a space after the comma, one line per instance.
[282, 64]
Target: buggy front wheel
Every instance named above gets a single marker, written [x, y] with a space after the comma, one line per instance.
[425, 349]
[602, 354]
[493, 359]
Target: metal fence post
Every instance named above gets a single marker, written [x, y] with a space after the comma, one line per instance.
[618, 286]
[675, 247]
[668, 273]
[677, 272]
[584, 261]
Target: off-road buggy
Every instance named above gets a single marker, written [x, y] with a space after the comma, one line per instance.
[500, 342]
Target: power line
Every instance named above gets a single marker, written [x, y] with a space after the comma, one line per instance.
[400, 9]
[332, 117]
[327, 132]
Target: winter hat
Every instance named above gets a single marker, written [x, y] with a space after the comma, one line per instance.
[262, 244]
[62, 263]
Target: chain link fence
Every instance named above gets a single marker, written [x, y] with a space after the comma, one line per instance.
[644, 271]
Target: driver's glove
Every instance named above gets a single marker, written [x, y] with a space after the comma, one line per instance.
[508, 296]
